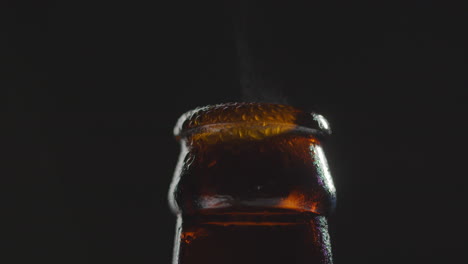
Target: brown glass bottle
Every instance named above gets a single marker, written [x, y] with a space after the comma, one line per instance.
[252, 186]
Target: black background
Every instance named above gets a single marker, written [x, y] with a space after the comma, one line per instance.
[93, 90]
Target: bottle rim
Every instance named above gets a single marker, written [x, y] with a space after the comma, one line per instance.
[255, 120]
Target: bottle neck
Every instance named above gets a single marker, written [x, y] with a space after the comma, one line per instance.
[252, 238]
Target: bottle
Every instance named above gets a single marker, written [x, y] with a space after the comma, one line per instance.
[252, 185]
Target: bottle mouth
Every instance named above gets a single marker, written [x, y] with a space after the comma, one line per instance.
[251, 121]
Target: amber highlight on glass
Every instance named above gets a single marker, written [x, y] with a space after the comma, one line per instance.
[252, 185]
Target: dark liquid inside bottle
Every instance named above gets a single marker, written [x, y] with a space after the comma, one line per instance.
[284, 171]
[263, 237]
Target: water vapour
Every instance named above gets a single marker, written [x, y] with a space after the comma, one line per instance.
[258, 81]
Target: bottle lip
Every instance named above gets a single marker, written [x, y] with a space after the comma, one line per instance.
[256, 120]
